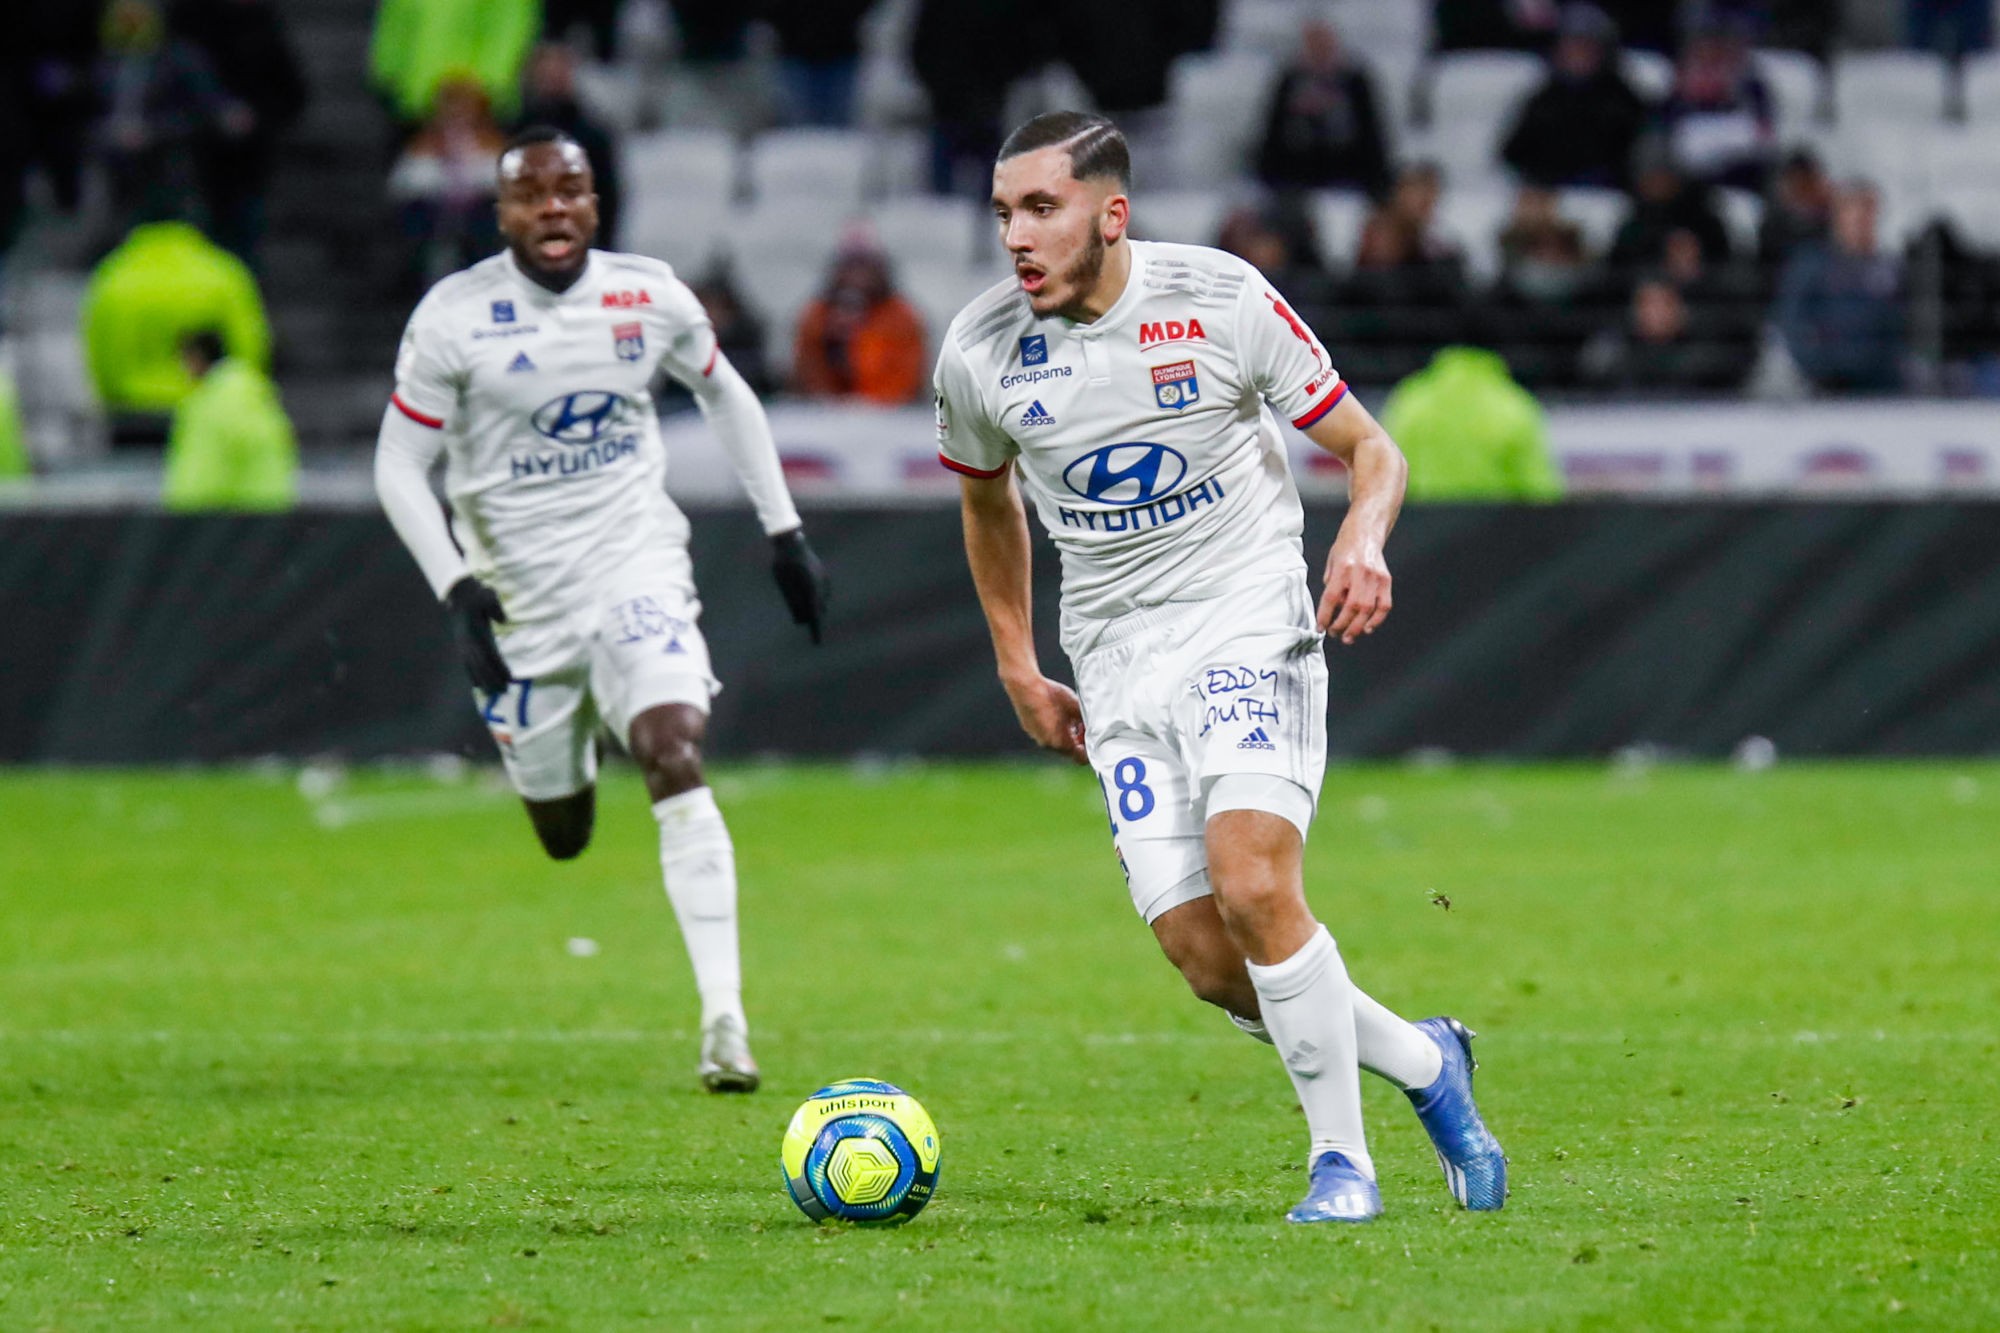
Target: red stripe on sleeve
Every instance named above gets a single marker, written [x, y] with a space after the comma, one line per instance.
[1324, 406]
[713, 353]
[970, 471]
[435, 423]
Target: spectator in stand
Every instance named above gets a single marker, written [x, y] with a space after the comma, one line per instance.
[1658, 349]
[819, 57]
[1279, 238]
[48, 61]
[165, 281]
[1718, 119]
[1798, 211]
[859, 339]
[967, 53]
[420, 43]
[715, 84]
[443, 185]
[1406, 293]
[1725, 299]
[245, 42]
[1840, 303]
[1581, 125]
[232, 446]
[548, 97]
[592, 21]
[1648, 25]
[1546, 302]
[1543, 260]
[1495, 25]
[161, 99]
[1949, 27]
[1323, 128]
[1470, 432]
[1666, 201]
[738, 332]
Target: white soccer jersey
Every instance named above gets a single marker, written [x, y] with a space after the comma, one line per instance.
[554, 466]
[1146, 439]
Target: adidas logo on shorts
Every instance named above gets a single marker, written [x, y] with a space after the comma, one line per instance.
[1256, 740]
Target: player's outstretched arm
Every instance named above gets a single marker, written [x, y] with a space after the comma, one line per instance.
[1356, 598]
[732, 411]
[997, 549]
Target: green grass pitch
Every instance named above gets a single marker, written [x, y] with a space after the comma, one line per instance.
[277, 1061]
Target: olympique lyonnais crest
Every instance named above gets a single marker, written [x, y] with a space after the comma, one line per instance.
[629, 341]
[1175, 386]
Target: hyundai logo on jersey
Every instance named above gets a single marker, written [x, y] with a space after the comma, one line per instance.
[1126, 474]
[1035, 350]
[629, 341]
[1175, 386]
[503, 312]
[579, 418]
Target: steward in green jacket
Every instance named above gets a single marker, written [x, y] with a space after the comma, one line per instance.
[1470, 432]
[417, 43]
[165, 282]
[232, 446]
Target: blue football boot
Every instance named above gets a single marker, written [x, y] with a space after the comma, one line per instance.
[1339, 1193]
[1474, 1166]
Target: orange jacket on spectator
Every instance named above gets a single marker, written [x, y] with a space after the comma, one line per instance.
[877, 355]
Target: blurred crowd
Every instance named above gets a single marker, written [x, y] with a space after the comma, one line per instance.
[154, 128]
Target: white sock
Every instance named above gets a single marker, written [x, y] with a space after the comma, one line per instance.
[700, 868]
[1392, 1046]
[1384, 1043]
[1308, 1006]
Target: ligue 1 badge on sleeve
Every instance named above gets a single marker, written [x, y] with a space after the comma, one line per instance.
[1175, 386]
[629, 341]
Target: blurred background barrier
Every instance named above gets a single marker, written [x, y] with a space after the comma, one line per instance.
[1576, 629]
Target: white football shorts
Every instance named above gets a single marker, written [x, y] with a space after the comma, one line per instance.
[637, 646]
[1176, 697]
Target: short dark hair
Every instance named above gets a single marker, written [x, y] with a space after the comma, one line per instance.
[206, 344]
[1096, 146]
[533, 136]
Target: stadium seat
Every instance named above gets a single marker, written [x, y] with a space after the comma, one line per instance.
[1474, 95]
[1982, 89]
[939, 290]
[1217, 100]
[1650, 73]
[1189, 216]
[1974, 210]
[829, 168]
[899, 163]
[1894, 87]
[688, 231]
[1797, 81]
[1383, 26]
[1963, 155]
[1599, 212]
[1473, 218]
[777, 289]
[1270, 27]
[933, 228]
[681, 163]
[1743, 214]
[1337, 217]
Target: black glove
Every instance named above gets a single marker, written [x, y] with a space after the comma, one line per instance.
[801, 578]
[474, 609]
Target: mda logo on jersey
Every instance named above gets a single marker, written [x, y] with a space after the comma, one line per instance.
[1175, 386]
[1035, 349]
[584, 417]
[1127, 474]
[629, 341]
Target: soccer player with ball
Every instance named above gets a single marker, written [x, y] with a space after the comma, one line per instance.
[528, 373]
[1130, 388]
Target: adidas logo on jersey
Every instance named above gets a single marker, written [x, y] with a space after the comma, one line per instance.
[520, 363]
[1037, 415]
[1256, 740]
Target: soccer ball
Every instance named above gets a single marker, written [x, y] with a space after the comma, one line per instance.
[863, 1150]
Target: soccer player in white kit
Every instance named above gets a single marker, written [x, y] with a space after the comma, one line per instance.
[1128, 387]
[529, 374]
